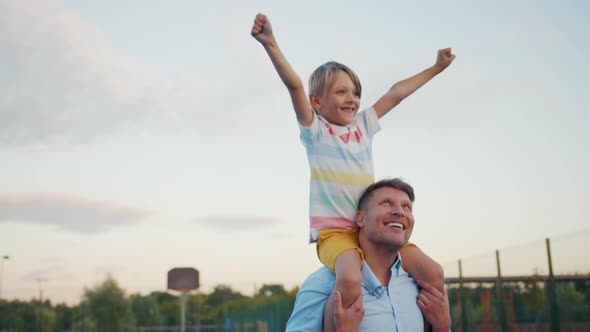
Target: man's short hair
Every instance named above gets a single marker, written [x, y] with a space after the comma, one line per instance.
[385, 183]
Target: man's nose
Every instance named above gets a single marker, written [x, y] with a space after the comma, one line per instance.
[397, 210]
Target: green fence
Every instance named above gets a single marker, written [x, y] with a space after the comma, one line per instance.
[540, 286]
[271, 316]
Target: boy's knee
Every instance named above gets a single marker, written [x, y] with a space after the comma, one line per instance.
[350, 288]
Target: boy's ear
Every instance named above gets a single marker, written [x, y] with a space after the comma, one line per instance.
[314, 100]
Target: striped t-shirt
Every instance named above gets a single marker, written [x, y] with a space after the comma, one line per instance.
[341, 167]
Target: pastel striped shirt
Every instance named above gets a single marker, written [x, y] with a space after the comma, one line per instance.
[341, 167]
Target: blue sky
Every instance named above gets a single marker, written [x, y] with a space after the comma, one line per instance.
[140, 136]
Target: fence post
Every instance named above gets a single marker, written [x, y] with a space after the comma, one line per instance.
[499, 295]
[464, 327]
[550, 285]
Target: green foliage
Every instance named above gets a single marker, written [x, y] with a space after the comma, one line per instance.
[572, 305]
[146, 310]
[108, 307]
[221, 295]
[272, 290]
[170, 311]
[19, 315]
[163, 297]
[199, 311]
[47, 319]
[64, 317]
[530, 305]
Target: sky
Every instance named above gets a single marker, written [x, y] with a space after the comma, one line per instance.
[140, 136]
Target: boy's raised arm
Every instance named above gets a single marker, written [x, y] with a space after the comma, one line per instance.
[402, 89]
[262, 31]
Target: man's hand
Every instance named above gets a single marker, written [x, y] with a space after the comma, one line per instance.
[262, 30]
[348, 319]
[444, 58]
[435, 307]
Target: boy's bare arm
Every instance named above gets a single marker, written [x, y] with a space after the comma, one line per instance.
[402, 89]
[422, 267]
[262, 31]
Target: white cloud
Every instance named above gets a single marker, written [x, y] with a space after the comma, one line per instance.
[74, 213]
[63, 82]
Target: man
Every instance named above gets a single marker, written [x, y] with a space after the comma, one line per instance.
[390, 300]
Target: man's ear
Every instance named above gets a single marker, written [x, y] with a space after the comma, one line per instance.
[314, 100]
[360, 218]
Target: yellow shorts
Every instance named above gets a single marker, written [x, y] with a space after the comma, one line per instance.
[409, 244]
[332, 242]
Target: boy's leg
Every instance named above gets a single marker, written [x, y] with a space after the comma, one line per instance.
[421, 267]
[348, 283]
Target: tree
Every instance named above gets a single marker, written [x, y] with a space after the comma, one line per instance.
[163, 296]
[533, 298]
[170, 311]
[146, 310]
[108, 306]
[222, 294]
[271, 290]
[46, 319]
[64, 317]
[572, 305]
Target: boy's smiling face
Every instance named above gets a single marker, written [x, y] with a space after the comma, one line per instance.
[340, 102]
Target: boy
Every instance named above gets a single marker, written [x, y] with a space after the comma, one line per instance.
[338, 142]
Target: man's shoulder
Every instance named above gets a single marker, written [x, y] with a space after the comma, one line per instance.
[322, 280]
[308, 309]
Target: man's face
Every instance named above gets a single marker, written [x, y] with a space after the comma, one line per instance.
[387, 218]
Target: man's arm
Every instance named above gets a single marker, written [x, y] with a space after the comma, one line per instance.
[402, 89]
[262, 31]
[435, 307]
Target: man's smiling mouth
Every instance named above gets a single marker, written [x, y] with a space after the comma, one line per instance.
[395, 225]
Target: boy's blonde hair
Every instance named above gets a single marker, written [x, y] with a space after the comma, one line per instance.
[322, 77]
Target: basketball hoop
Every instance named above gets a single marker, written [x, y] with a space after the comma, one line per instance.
[183, 279]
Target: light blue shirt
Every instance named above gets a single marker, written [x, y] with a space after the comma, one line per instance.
[391, 308]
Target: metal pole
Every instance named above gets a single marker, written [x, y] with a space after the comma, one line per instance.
[500, 295]
[198, 314]
[183, 297]
[6, 257]
[464, 322]
[40, 280]
[553, 308]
